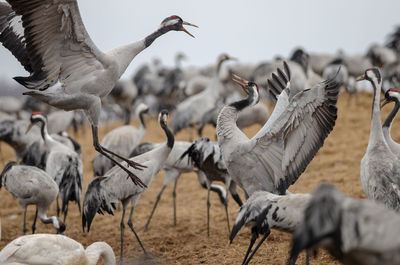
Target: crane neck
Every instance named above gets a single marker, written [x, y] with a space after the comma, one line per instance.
[252, 98]
[219, 66]
[141, 118]
[124, 55]
[48, 220]
[168, 133]
[389, 120]
[100, 249]
[45, 134]
[376, 133]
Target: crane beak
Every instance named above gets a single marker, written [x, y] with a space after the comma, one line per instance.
[384, 102]
[187, 24]
[361, 77]
[232, 58]
[240, 81]
[29, 128]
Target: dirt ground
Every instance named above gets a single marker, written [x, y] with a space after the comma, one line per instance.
[337, 162]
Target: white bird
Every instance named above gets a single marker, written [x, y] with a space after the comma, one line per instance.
[123, 140]
[206, 155]
[104, 193]
[47, 249]
[276, 156]
[190, 111]
[380, 168]
[264, 211]
[391, 95]
[67, 70]
[354, 231]
[63, 164]
[32, 186]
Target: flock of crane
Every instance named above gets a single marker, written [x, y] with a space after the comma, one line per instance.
[69, 72]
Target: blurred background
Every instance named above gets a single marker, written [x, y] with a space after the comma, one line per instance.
[252, 31]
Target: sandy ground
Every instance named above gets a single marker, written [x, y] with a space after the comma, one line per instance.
[337, 162]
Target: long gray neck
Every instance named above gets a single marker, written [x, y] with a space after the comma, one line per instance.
[376, 134]
[48, 220]
[219, 65]
[389, 120]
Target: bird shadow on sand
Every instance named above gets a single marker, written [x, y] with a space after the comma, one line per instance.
[143, 259]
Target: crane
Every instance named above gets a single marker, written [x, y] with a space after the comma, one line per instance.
[67, 70]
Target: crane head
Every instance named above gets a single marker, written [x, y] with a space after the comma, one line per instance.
[36, 117]
[60, 226]
[371, 74]
[392, 94]
[246, 85]
[176, 23]
[163, 116]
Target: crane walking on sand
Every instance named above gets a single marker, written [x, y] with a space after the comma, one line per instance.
[67, 70]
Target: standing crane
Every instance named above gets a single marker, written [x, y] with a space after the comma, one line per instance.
[391, 95]
[63, 164]
[104, 193]
[380, 168]
[31, 185]
[67, 70]
[276, 156]
[47, 249]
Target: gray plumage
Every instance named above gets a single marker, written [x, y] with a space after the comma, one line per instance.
[104, 193]
[355, 231]
[67, 70]
[264, 211]
[60, 121]
[380, 168]
[276, 156]
[63, 164]
[207, 157]
[32, 186]
[190, 111]
[391, 95]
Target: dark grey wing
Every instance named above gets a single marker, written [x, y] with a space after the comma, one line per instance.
[12, 35]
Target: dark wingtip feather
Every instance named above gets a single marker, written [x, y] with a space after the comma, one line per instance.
[236, 228]
[91, 203]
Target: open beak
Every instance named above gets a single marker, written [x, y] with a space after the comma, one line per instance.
[240, 81]
[188, 24]
[29, 128]
[361, 77]
[384, 102]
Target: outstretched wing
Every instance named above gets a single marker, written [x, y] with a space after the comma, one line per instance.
[55, 41]
[303, 127]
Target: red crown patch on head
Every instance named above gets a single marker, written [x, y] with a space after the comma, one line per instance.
[173, 17]
[36, 113]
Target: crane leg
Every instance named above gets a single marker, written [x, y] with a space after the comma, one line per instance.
[254, 235]
[257, 247]
[174, 198]
[105, 152]
[57, 206]
[122, 227]
[24, 230]
[154, 208]
[227, 217]
[133, 230]
[307, 257]
[34, 221]
[208, 210]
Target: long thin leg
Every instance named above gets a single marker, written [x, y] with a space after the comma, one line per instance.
[103, 151]
[154, 207]
[208, 210]
[256, 248]
[174, 198]
[65, 213]
[34, 221]
[57, 206]
[122, 227]
[253, 239]
[227, 218]
[24, 230]
[307, 257]
[133, 230]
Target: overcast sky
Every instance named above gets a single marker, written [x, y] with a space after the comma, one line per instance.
[252, 30]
